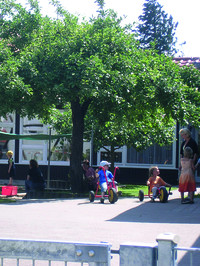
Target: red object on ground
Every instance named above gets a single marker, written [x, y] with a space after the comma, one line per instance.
[9, 190]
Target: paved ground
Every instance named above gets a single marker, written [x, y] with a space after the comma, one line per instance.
[126, 220]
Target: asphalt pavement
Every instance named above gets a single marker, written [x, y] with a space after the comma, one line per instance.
[128, 220]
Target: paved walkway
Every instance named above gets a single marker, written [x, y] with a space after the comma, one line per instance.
[79, 220]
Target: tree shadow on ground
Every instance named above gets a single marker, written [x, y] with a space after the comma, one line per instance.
[171, 212]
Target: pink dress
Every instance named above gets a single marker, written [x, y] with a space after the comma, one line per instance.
[187, 179]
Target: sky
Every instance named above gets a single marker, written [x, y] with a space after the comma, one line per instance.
[186, 13]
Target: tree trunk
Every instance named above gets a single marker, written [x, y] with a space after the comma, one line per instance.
[112, 158]
[76, 172]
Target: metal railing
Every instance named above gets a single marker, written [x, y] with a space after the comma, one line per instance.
[189, 257]
[91, 253]
[162, 253]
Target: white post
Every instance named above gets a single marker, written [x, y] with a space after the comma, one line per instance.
[166, 243]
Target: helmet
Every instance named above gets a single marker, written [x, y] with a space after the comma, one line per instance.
[103, 163]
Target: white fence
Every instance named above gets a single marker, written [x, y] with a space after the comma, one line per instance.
[162, 253]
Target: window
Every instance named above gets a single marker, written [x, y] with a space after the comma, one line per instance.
[105, 157]
[39, 149]
[60, 150]
[152, 155]
[7, 126]
[32, 149]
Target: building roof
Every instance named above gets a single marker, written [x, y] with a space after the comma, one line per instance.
[186, 61]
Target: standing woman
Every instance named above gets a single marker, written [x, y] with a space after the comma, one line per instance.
[188, 142]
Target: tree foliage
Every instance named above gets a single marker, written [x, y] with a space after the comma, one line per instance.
[13, 90]
[161, 96]
[156, 28]
[96, 72]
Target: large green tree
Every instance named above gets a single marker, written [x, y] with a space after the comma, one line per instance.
[96, 69]
[156, 28]
[161, 100]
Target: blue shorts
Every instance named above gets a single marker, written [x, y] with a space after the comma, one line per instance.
[103, 187]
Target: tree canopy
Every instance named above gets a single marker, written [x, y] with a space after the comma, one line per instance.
[96, 72]
[156, 28]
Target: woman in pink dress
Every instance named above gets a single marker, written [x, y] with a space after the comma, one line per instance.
[187, 179]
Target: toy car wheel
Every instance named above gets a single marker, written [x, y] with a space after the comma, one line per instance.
[112, 197]
[163, 195]
[91, 196]
[141, 195]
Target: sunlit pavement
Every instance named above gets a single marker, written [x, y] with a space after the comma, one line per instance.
[79, 220]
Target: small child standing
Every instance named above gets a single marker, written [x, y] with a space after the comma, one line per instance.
[11, 167]
[102, 179]
[155, 181]
[187, 179]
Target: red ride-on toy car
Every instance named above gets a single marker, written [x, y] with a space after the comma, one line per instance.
[111, 189]
[162, 194]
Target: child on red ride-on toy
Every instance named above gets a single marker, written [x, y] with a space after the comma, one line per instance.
[106, 183]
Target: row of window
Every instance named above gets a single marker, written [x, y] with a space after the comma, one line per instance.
[154, 155]
[60, 149]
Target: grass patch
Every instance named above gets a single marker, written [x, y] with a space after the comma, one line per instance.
[5, 200]
[197, 195]
[127, 190]
[133, 190]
